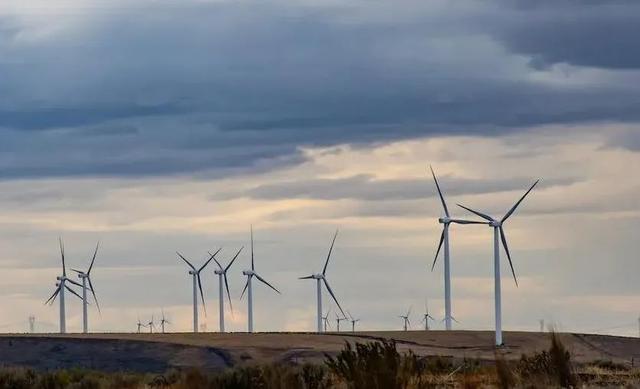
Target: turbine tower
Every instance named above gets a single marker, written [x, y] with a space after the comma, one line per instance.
[86, 278]
[338, 320]
[247, 287]
[140, 325]
[353, 322]
[427, 316]
[163, 321]
[325, 319]
[61, 285]
[222, 276]
[405, 319]
[498, 234]
[197, 284]
[444, 240]
[321, 278]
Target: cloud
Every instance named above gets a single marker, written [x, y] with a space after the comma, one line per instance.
[210, 88]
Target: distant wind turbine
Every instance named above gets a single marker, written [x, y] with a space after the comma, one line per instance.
[61, 285]
[140, 325]
[320, 278]
[197, 284]
[353, 322]
[222, 278]
[498, 233]
[151, 325]
[338, 320]
[444, 240]
[247, 287]
[325, 319]
[163, 321]
[405, 319]
[86, 278]
[427, 316]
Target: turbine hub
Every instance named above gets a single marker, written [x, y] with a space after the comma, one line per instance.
[192, 272]
[248, 272]
[495, 223]
[218, 271]
[444, 220]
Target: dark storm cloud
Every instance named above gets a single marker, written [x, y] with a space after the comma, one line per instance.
[601, 34]
[216, 87]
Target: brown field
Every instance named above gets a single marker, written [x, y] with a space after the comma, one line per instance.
[213, 351]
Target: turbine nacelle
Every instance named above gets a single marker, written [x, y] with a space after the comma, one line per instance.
[495, 223]
[249, 273]
[444, 220]
[219, 272]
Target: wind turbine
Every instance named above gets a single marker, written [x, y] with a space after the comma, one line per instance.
[247, 287]
[353, 322]
[444, 239]
[320, 278]
[151, 326]
[61, 285]
[405, 319]
[140, 325]
[338, 320]
[86, 278]
[222, 276]
[325, 319]
[197, 284]
[427, 316]
[163, 322]
[498, 234]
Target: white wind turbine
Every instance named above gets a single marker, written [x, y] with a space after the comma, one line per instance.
[222, 278]
[247, 287]
[325, 319]
[338, 320]
[61, 285]
[427, 316]
[140, 325]
[86, 278]
[444, 240]
[320, 278]
[405, 320]
[151, 325]
[353, 322]
[163, 321]
[197, 284]
[498, 234]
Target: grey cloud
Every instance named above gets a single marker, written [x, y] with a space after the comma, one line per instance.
[218, 87]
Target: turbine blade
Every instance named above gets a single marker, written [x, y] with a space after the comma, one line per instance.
[216, 261]
[209, 260]
[53, 296]
[324, 270]
[226, 284]
[266, 283]
[482, 215]
[72, 291]
[252, 264]
[462, 221]
[74, 282]
[77, 271]
[305, 278]
[187, 262]
[438, 251]
[409, 311]
[233, 260]
[506, 248]
[444, 204]
[95, 253]
[326, 283]
[204, 307]
[64, 268]
[93, 292]
[513, 209]
[245, 288]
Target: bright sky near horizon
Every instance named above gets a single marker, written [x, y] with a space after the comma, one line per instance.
[156, 126]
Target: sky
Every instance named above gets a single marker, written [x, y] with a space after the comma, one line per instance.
[163, 126]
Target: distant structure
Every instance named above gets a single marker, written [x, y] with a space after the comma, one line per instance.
[247, 287]
[498, 234]
[405, 319]
[222, 277]
[86, 277]
[197, 284]
[541, 325]
[321, 278]
[163, 321]
[32, 324]
[353, 321]
[140, 325]
[338, 320]
[325, 319]
[427, 316]
[61, 285]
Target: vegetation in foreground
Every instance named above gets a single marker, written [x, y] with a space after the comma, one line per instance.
[376, 365]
